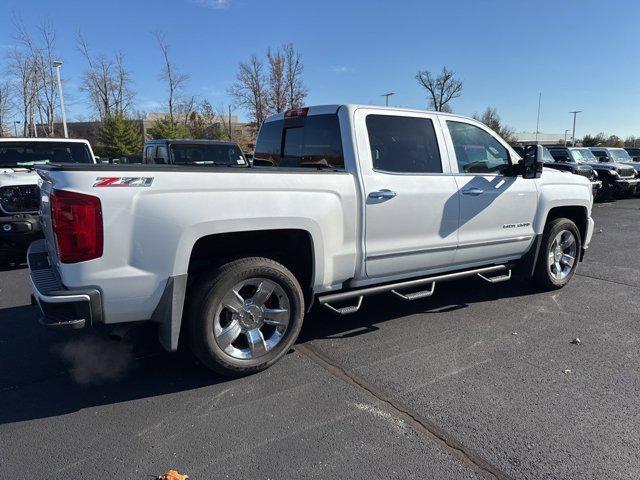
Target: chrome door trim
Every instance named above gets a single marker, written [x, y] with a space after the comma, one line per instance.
[498, 241]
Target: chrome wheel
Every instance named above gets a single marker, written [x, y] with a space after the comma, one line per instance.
[252, 318]
[562, 255]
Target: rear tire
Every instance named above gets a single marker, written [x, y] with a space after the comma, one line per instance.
[244, 316]
[559, 254]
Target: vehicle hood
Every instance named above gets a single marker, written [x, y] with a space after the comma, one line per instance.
[17, 176]
[603, 165]
[566, 177]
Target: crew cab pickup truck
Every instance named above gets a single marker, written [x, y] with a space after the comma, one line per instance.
[358, 200]
[19, 194]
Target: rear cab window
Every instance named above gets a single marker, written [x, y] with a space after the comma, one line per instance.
[207, 154]
[28, 154]
[312, 141]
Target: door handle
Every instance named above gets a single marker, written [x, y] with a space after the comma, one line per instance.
[383, 194]
[473, 191]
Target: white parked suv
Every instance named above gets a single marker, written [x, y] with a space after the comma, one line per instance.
[343, 201]
[19, 194]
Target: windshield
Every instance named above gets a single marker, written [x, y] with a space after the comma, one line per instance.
[583, 155]
[620, 155]
[28, 154]
[212, 154]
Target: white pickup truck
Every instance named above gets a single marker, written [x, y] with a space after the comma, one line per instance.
[343, 201]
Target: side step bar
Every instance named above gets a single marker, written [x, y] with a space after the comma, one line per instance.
[503, 273]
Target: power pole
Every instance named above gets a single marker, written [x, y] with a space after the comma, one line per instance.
[57, 64]
[230, 122]
[538, 121]
[386, 98]
[573, 136]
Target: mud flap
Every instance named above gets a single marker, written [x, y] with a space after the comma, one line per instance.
[168, 313]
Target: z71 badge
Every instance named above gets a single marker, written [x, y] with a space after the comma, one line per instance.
[123, 182]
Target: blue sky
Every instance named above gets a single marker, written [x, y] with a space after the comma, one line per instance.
[582, 55]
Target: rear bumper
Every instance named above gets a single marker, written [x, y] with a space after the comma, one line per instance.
[60, 306]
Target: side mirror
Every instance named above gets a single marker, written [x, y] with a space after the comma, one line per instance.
[159, 160]
[532, 161]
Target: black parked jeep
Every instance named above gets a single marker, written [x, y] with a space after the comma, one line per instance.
[617, 179]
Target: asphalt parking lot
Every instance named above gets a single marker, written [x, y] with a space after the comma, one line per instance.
[477, 382]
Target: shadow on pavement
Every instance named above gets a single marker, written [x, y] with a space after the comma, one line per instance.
[38, 367]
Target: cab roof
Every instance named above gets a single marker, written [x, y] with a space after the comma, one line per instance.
[333, 108]
[42, 139]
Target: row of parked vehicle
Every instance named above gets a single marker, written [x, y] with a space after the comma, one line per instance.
[613, 172]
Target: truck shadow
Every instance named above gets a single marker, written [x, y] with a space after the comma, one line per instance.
[45, 374]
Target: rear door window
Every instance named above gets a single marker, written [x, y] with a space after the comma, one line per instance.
[303, 142]
[403, 144]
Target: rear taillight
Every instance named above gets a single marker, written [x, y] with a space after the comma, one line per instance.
[77, 225]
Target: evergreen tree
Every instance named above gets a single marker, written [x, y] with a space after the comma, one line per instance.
[119, 137]
[166, 128]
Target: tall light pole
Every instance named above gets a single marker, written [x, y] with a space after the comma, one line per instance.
[15, 127]
[57, 64]
[565, 137]
[230, 136]
[386, 98]
[538, 121]
[573, 135]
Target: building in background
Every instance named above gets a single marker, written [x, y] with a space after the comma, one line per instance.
[90, 130]
[527, 138]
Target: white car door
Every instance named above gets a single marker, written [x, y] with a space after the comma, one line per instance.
[410, 196]
[496, 210]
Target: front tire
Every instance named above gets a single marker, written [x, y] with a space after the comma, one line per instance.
[559, 253]
[245, 316]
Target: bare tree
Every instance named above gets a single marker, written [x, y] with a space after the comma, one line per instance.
[250, 89]
[107, 82]
[23, 69]
[296, 90]
[492, 120]
[278, 93]
[175, 80]
[48, 99]
[185, 107]
[5, 106]
[35, 60]
[441, 89]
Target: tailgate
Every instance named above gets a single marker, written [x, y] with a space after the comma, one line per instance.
[45, 216]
